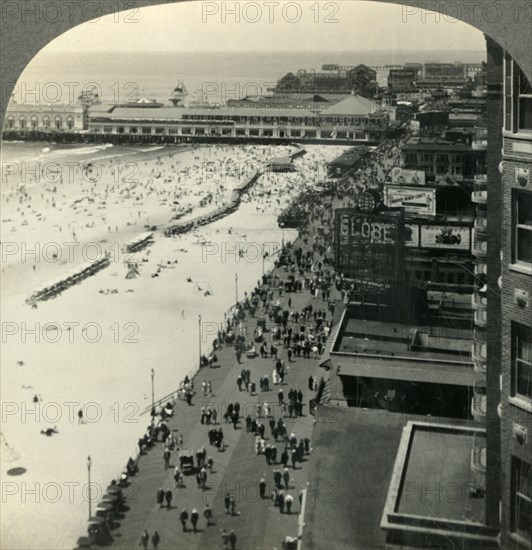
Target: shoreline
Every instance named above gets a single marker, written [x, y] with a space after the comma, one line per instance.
[52, 370]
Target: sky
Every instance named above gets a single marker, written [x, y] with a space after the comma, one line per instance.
[281, 25]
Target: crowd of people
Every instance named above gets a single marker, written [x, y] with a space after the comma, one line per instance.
[268, 319]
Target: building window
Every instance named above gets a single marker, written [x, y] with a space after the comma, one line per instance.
[521, 512]
[523, 100]
[522, 227]
[517, 98]
[522, 361]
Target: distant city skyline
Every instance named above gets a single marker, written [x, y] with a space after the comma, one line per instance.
[271, 26]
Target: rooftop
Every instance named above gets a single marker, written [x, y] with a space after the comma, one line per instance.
[419, 143]
[352, 105]
[393, 351]
[178, 113]
[434, 460]
[350, 472]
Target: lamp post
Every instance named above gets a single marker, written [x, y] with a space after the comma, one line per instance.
[236, 288]
[152, 392]
[89, 464]
[199, 338]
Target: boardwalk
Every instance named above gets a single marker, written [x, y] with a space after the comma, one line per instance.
[237, 470]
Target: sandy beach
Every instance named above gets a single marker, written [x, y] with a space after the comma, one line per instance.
[93, 347]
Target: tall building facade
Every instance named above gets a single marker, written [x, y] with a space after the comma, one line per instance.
[516, 309]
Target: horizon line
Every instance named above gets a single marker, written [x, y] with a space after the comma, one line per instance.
[417, 51]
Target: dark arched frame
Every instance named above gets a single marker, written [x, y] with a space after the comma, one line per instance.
[507, 22]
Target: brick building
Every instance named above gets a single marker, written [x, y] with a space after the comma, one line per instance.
[516, 309]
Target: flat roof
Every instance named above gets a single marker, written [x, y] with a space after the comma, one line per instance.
[393, 351]
[438, 483]
[421, 144]
[350, 469]
[177, 113]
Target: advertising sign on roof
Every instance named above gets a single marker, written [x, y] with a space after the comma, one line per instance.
[414, 200]
[450, 237]
[403, 176]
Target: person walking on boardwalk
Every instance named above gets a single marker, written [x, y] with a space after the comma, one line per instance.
[280, 397]
[232, 505]
[286, 477]
[225, 539]
[155, 540]
[203, 478]
[160, 497]
[262, 488]
[194, 516]
[294, 458]
[183, 518]
[232, 540]
[227, 503]
[177, 477]
[207, 514]
[277, 477]
[145, 539]
[166, 457]
[288, 503]
[168, 497]
[281, 502]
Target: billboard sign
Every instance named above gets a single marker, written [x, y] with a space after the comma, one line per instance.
[368, 246]
[413, 199]
[403, 176]
[445, 237]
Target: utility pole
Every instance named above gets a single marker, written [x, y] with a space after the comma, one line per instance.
[89, 464]
[199, 336]
[152, 392]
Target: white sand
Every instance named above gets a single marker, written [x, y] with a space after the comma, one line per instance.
[110, 377]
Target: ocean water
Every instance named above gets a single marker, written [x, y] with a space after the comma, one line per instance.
[54, 77]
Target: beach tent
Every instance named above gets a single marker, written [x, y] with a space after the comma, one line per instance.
[132, 270]
[281, 164]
